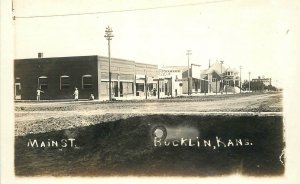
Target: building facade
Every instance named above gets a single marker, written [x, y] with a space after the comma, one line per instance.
[221, 78]
[265, 81]
[59, 76]
[171, 81]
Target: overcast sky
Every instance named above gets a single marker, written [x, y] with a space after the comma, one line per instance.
[255, 34]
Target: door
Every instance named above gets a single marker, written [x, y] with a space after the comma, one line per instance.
[17, 91]
[115, 88]
[121, 89]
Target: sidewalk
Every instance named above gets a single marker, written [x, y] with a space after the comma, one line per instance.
[126, 98]
[166, 96]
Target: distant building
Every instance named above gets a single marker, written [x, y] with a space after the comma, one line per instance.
[57, 77]
[265, 81]
[211, 80]
[180, 78]
[221, 78]
[171, 81]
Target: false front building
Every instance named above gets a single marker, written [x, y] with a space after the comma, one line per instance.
[194, 80]
[58, 77]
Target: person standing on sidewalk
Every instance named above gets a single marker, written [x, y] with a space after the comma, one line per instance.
[76, 94]
[38, 94]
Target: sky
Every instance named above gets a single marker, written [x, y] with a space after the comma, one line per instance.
[254, 34]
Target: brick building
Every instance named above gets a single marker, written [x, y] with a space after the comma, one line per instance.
[57, 77]
[265, 81]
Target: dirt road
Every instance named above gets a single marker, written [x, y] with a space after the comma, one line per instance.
[33, 117]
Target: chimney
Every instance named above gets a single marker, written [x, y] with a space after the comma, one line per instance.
[40, 55]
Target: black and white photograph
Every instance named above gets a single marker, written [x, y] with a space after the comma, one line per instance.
[169, 89]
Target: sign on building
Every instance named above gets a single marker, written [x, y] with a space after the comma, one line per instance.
[196, 71]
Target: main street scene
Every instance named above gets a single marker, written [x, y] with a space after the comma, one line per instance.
[149, 88]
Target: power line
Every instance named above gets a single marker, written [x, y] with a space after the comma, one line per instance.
[119, 11]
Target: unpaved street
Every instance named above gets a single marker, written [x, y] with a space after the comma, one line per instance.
[32, 117]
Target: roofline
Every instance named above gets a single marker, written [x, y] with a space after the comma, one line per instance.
[56, 57]
[115, 58]
[98, 56]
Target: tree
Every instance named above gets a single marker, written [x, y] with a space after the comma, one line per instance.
[271, 88]
[254, 85]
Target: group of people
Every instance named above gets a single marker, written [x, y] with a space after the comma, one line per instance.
[75, 94]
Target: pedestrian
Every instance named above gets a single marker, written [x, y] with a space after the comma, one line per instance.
[92, 97]
[38, 94]
[76, 94]
[154, 92]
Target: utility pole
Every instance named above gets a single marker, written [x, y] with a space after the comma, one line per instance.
[108, 35]
[146, 89]
[171, 86]
[240, 79]
[158, 89]
[221, 86]
[188, 53]
[216, 86]
[249, 81]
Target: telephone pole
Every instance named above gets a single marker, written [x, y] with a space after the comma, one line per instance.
[222, 82]
[108, 35]
[240, 79]
[249, 81]
[146, 89]
[188, 53]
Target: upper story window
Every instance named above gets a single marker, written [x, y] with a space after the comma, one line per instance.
[229, 73]
[17, 80]
[214, 79]
[43, 82]
[64, 82]
[87, 82]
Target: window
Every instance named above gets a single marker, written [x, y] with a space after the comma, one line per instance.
[64, 82]
[214, 79]
[87, 82]
[139, 87]
[229, 73]
[18, 80]
[126, 88]
[43, 82]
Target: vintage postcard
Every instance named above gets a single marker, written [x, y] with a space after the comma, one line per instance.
[177, 90]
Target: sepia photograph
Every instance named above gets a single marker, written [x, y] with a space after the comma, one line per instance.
[151, 89]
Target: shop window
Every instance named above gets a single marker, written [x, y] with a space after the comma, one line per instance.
[161, 86]
[139, 87]
[64, 82]
[87, 82]
[126, 87]
[43, 82]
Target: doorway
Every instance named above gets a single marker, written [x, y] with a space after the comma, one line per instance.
[17, 91]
